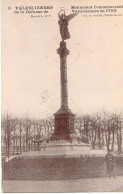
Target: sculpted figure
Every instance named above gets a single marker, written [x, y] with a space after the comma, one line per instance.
[63, 24]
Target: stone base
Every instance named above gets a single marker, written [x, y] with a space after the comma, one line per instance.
[68, 149]
[61, 148]
[63, 152]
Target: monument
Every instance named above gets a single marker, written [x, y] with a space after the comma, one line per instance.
[63, 140]
[64, 118]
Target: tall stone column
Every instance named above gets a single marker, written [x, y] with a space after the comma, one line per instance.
[63, 52]
[64, 88]
[64, 118]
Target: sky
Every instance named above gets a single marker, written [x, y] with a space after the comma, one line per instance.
[31, 65]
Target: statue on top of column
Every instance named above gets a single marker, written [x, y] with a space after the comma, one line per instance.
[63, 23]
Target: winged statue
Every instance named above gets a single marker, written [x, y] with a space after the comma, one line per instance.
[63, 24]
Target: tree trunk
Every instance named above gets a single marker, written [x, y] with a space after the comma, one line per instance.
[26, 139]
[120, 139]
[14, 142]
[20, 140]
[109, 134]
[112, 147]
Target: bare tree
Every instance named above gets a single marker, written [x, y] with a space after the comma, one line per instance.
[101, 129]
[7, 124]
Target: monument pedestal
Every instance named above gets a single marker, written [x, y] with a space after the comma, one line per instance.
[64, 125]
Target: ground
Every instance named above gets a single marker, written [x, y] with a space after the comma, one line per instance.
[60, 174]
[81, 185]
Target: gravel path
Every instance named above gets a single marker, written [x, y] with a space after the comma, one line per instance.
[82, 185]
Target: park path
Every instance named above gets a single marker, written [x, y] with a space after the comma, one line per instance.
[82, 185]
